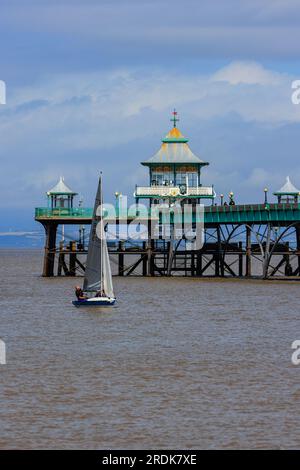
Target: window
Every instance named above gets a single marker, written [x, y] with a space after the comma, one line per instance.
[162, 176]
[190, 178]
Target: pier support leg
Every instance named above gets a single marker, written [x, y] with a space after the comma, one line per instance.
[298, 247]
[240, 259]
[219, 266]
[60, 259]
[266, 257]
[193, 267]
[248, 252]
[288, 269]
[121, 259]
[144, 262]
[150, 264]
[72, 265]
[150, 250]
[49, 255]
[199, 264]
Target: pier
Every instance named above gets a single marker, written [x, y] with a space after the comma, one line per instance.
[237, 233]
[239, 240]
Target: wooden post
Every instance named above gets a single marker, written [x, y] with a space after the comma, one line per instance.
[72, 264]
[150, 249]
[240, 259]
[60, 258]
[193, 267]
[217, 254]
[121, 259]
[298, 246]
[287, 269]
[151, 258]
[144, 260]
[50, 246]
[199, 264]
[248, 251]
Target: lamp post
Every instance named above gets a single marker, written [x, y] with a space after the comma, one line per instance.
[266, 195]
[231, 202]
[222, 199]
[117, 201]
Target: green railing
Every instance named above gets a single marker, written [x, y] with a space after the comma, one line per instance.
[77, 212]
[253, 213]
[243, 213]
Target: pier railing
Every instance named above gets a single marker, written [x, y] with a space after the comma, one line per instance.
[77, 212]
[234, 214]
[173, 191]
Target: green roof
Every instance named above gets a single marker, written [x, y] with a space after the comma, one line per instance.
[174, 150]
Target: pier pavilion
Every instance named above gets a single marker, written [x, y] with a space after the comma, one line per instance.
[60, 196]
[242, 240]
[174, 172]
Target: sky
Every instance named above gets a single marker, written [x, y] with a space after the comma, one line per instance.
[90, 86]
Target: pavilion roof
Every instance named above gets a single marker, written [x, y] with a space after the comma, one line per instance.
[61, 189]
[174, 149]
[287, 189]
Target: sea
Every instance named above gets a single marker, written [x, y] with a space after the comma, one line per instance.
[179, 363]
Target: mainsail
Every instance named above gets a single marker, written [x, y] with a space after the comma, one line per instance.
[98, 273]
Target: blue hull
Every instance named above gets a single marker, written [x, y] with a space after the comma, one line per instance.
[85, 303]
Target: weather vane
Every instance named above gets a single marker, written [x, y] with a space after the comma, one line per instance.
[174, 118]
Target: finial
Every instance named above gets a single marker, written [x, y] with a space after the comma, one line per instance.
[174, 118]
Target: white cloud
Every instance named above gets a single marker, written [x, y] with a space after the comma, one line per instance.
[250, 73]
[19, 234]
[75, 125]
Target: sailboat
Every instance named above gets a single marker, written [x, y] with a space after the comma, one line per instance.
[97, 285]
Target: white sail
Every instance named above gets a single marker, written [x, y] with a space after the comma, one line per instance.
[92, 277]
[98, 276]
[106, 271]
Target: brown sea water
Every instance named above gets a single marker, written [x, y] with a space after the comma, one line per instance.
[179, 363]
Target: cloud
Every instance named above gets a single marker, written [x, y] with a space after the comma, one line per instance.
[72, 36]
[19, 234]
[250, 73]
[74, 125]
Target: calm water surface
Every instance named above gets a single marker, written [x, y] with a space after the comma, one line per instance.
[180, 363]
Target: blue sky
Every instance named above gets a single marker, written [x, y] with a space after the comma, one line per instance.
[90, 86]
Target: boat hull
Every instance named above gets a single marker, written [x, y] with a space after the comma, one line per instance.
[94, 302]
